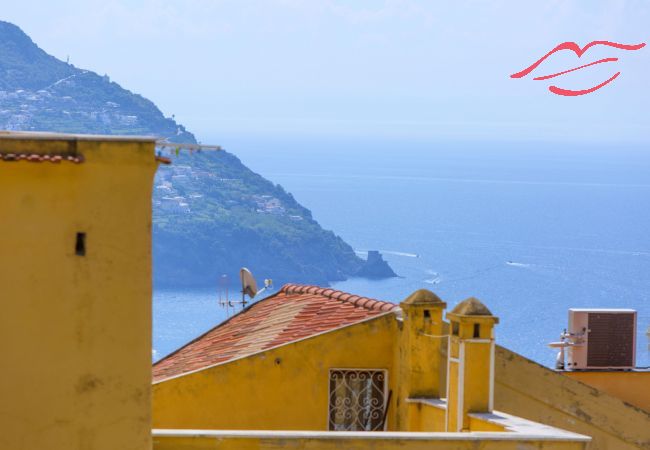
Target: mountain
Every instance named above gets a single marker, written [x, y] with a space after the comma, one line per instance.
[39, 92]
[212, 215]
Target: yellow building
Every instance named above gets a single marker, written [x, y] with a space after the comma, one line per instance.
[317, 361]
[75, 287]
[308, 362]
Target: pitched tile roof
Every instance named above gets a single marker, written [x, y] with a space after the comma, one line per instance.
[293, 313]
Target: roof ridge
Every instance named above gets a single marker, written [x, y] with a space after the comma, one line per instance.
[357, 300]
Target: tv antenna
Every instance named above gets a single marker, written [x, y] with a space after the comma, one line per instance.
[249, 285]
[248, 288]
[224, 301]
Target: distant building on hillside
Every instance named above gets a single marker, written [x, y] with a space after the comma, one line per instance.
[267, 204]
[176, 204]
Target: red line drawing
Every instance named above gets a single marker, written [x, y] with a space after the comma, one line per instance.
[546, 77]
[579, 51]
[570, 93]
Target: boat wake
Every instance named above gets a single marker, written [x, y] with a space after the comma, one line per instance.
[517, 264]
[408, 255]
[435, 277]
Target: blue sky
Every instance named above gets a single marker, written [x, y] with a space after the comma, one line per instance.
[394, 69]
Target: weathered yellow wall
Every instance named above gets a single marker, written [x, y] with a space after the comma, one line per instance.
[419, 358]
[527, 389]
[285, 388]
[476, 424]
[453, 386]
[386, 441]
[631, 387]
[477, 377]
[423, 417]
[75, 331]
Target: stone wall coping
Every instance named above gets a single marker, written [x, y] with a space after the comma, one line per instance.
[513, 424]
[371, 435]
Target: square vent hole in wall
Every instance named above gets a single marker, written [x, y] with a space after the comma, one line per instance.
[80, 244]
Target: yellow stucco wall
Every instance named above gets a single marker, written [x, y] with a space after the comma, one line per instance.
[419, 361]
[285, 388]
[75, 331]
[631, 387]
[453, 386]
[476, 424]
[423, 417]
[527, 389]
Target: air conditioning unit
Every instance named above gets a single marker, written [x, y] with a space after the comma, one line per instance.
[601, 339]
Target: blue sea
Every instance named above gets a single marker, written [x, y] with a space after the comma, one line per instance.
[531, 229]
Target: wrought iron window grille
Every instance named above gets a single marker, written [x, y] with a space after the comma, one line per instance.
[357, 399]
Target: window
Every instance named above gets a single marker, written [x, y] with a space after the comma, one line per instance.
[477, 330]
[80, 244]
[357, 400]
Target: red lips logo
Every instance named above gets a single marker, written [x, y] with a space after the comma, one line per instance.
[575, 48]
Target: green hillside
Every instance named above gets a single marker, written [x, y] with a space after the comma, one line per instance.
[212, 215]
[39, 92]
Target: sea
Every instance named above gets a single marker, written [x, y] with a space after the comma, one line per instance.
[529, 228]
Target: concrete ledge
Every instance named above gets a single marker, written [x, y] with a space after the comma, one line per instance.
[370, 435]
[440, 403]
[522, 428]
[525, 427]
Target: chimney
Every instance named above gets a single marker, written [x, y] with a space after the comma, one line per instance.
[470, 365]
[420, 364]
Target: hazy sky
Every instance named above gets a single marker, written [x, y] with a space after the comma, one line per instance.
[394, 69]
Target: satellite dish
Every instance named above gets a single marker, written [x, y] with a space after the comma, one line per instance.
[248, 284]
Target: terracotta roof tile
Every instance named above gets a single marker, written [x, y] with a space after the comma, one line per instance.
[35, 157]
[360, 301]
[293, 313]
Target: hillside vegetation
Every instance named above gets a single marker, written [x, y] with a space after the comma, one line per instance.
[212, 215]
